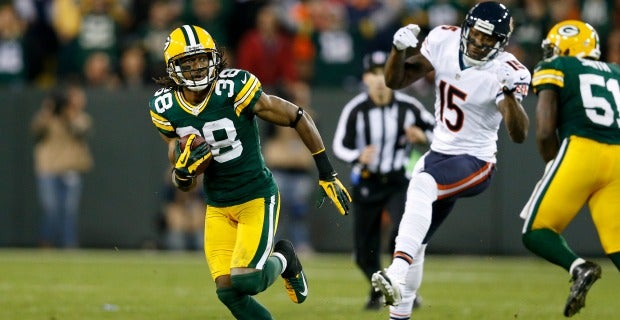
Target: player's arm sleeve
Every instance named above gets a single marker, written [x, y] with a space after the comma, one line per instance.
[162, 124]
[247, 91]
[435, 37]
[548, 75]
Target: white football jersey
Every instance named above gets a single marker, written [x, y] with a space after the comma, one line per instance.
[466, 113]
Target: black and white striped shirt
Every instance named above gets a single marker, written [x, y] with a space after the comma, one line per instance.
[363, 123]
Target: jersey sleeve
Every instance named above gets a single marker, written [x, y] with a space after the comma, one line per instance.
[157, 109]
[548, 74]
[435, 38]
[521, 76]
[247, 89]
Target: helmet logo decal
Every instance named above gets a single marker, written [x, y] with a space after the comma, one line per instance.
[568, 31]
[167, 43]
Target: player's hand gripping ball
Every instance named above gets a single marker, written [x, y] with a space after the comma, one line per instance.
[192, 154]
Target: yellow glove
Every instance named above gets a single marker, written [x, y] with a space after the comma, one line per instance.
[188, 160]
[339, 195]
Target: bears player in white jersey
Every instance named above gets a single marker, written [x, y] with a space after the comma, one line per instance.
[477, 84]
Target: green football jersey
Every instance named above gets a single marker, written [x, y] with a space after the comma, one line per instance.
[227, 122]
[588, 93]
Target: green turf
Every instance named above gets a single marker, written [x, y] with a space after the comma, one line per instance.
[135, 285]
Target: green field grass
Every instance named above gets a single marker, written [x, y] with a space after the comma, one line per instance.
[117, 284]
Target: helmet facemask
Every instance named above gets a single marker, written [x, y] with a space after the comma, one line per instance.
[184, 72]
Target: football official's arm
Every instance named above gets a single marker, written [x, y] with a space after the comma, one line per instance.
[546, 125]
[515, 118]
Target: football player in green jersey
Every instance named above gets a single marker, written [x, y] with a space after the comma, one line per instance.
[578, 136]
[203, 98]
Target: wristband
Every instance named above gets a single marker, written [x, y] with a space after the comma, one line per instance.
[300, 113]
[326, 170]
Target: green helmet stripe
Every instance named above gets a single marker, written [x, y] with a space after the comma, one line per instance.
[191, 38]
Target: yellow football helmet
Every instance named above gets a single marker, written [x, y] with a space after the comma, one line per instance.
[572, 38]
[188, 41]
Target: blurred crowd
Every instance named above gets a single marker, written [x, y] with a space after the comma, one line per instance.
[291, 45]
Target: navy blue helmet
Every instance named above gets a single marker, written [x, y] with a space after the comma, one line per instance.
[491, 18]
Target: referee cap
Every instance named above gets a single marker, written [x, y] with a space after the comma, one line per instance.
[374, 60]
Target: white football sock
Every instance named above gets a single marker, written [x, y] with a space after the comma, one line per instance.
[574, 264]
[421, 194]
[281, 258]
[409, 291]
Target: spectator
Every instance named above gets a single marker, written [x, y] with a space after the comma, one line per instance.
[132, 68]
[98, 71]
[532, 19]
[374, 21]
[613, 47]
[162, 16]
[266, 51]
[337, 60]
[61, 156]
[297, 17]
[98, 28]
[40, 39]
[209, 14]
[12, 51]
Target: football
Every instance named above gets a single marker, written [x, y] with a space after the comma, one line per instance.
[198, 141]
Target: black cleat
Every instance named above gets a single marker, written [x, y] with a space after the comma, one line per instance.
[375, 301]
[294, 277]
[584, 276]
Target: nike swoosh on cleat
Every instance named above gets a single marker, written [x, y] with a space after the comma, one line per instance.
[305, 292]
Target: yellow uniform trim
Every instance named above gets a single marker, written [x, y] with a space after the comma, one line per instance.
[247, 93]
[188, 107]
[548, 76]
[161, 122]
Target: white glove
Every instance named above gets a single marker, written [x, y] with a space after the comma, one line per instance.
[406, 36]
[506, 76]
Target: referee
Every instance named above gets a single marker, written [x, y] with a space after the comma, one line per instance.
[376, 133]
